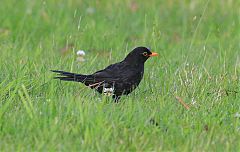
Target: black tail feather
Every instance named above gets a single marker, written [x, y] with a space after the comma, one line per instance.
[68, 76]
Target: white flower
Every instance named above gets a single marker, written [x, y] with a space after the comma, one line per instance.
[108, 91]
[90, 10]
[80, 53]
[237, 115]
[194, 101]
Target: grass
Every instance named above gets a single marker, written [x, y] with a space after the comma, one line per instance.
[199, 63]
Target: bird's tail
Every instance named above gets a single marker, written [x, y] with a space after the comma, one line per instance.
[68, 76]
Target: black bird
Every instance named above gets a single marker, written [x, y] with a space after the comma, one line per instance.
[117, 79]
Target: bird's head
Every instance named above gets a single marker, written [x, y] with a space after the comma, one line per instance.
[140, 55]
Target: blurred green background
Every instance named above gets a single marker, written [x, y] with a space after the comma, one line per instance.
[198, 42]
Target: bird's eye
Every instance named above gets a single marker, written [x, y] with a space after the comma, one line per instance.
[145, 54]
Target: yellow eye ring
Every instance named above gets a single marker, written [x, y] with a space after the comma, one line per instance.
[145, 54]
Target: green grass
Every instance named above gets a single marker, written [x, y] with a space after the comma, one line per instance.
[198, 43]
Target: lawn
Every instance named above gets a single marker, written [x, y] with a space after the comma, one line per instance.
[199, 64]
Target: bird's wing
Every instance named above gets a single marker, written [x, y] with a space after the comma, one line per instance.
[124, 77]
[111, 73]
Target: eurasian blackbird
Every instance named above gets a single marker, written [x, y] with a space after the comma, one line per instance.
[117, 79]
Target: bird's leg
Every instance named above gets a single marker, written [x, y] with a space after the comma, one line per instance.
[116, 98]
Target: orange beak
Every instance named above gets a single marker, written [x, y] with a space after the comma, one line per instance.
[154, 54]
